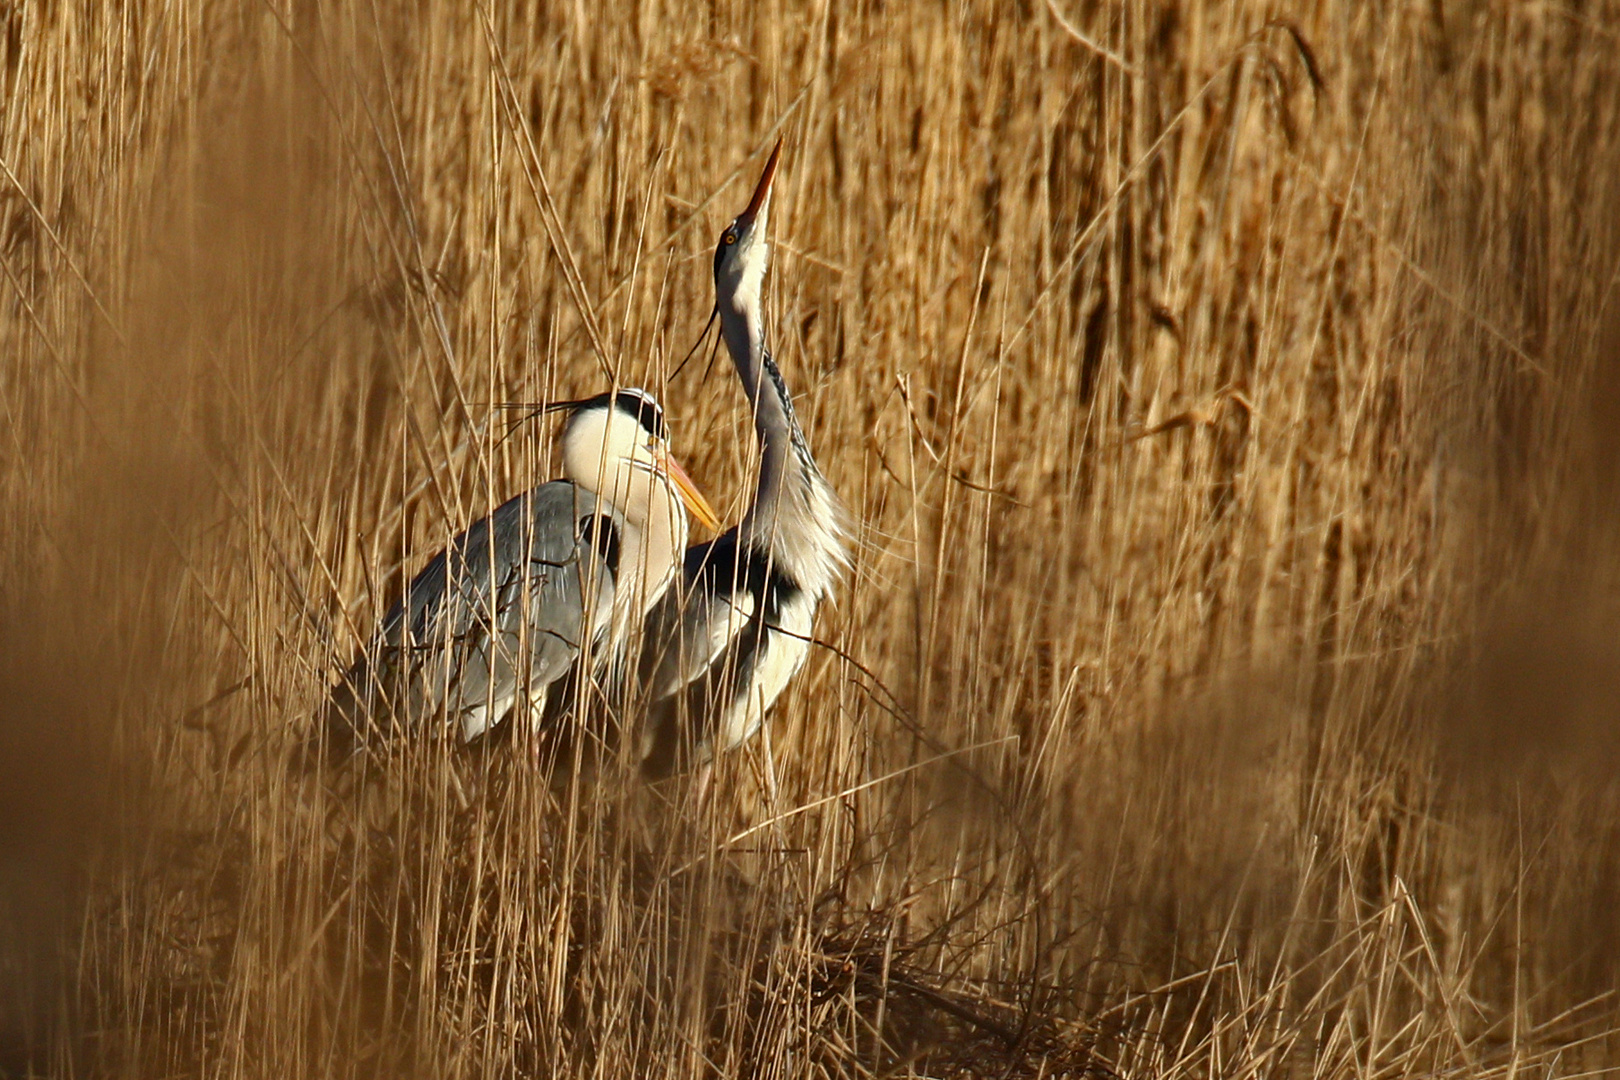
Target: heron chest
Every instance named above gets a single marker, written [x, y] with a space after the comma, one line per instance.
[782, 651]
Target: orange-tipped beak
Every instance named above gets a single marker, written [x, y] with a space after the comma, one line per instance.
[690, 495]
[763, 191]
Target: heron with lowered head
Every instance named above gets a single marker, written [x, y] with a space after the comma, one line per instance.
[561, 574]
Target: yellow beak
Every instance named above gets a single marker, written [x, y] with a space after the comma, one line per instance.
[690, 495]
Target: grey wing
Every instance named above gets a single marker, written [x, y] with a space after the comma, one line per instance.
[691, 697]
[691, 659]
[497, 616]
[694, 622]
[686, 632]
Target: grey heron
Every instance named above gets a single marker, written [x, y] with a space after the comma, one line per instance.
[561, 572]
[724, 643]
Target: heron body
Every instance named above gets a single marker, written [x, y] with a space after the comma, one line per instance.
[560, 574]
[726, 641]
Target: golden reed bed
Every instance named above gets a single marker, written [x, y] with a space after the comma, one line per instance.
[1226, 685]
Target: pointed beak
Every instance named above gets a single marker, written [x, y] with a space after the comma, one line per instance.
[690, 495]
[762, 193]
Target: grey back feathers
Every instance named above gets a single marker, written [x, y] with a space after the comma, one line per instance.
[500, 614]
[552, 577]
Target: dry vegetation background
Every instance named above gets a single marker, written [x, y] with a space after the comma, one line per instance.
[1227, 684]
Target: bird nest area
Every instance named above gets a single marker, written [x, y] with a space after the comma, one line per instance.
[1223, 399]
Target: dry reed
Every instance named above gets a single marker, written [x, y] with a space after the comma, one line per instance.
[1225, 683]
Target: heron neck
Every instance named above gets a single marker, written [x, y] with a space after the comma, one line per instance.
[656, 547]
[794, 518]
[649, 555]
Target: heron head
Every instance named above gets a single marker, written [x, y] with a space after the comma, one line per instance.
[616, 446]
[742, 254]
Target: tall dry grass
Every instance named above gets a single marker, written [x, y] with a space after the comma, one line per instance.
[1225, 685]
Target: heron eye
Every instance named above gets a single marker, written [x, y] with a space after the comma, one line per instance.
[730, 238]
